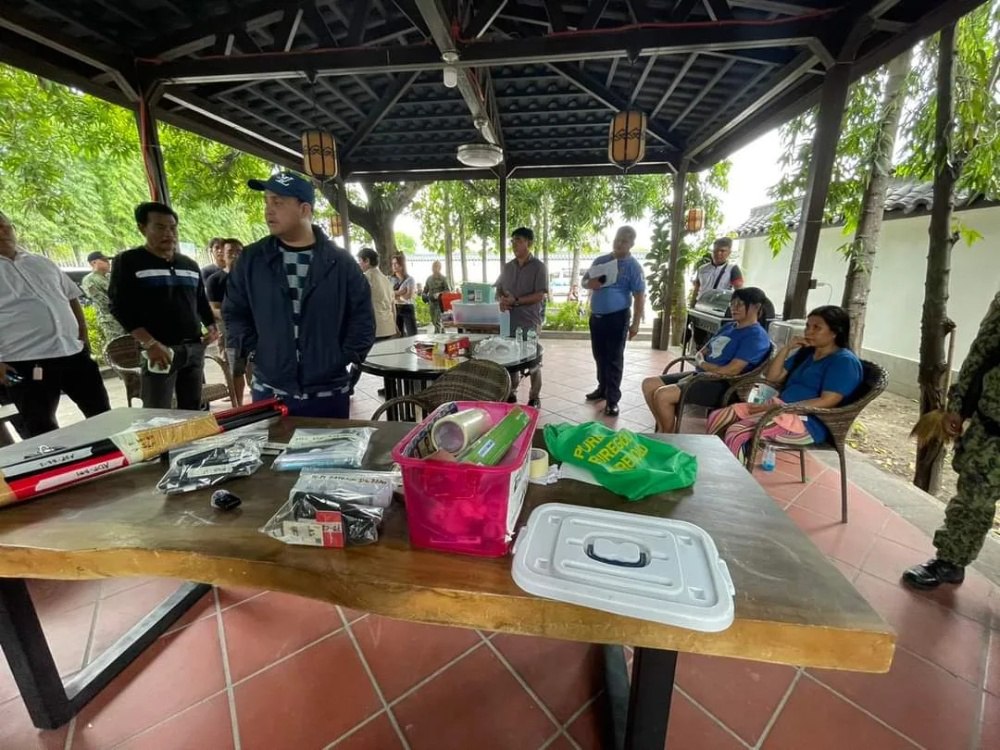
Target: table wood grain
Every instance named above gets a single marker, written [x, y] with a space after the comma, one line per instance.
[792, 605]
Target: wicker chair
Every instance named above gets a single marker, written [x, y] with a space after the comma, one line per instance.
[696, 377]
[837, 420]
[124, 356]
[475, 380]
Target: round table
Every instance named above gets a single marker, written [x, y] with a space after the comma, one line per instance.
[405, 373]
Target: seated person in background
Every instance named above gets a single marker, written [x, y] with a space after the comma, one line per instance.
[821, 374]
[738, 347]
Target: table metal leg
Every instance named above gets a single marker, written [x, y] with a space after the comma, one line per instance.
[638, 713]
[50, 702]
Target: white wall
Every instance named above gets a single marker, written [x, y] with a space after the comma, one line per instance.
[892, 326]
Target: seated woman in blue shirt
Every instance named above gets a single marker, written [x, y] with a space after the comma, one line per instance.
[738, 347]
[822, 373]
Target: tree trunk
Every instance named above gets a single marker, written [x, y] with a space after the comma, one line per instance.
[461, 249]
[545, 241]
[484, 259]
[574, 274]
[857, 285]
[678, 311]
[934, 322]
[449, 261]
[385, 242]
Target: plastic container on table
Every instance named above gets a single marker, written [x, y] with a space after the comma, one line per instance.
[474, 292]
[485, 313]
[628, 564]
[460, 507]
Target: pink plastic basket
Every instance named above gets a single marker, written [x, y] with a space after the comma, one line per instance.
[464, 508]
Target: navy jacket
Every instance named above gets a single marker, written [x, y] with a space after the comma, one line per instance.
[337, 324]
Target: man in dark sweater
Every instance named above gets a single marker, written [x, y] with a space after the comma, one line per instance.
[301, 304]
[158, 295]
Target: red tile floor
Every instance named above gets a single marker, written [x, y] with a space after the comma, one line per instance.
[258, 670]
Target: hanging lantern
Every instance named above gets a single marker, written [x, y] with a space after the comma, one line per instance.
[627, 138]
[319, 154]
[694, 219]
[336, 226]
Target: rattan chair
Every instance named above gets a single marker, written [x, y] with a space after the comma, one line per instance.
[837, 420]
[475, 380]
[124, 356]
[696, 377]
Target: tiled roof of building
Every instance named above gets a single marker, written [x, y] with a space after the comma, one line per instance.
[903, 197]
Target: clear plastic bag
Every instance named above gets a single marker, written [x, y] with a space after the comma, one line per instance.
[362, 487]
[213, 460]
[319, 448]
[319, 520]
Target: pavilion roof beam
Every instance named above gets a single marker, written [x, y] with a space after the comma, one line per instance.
[312, 102]
[780, 81]
[611, 100]
[359, 19]
[386, 103]
[325, 84]
[557, 19]
[719, 10]
[682, 10]
[316, 24]
[703, 93]
[611, 72]
[484, 18]
[409, 9]
[250, 113]
[470, 86]
[674, 84]
[640, 11]
[642, 79]
[112, 7]
[44, 35]
[731, 39]
[773, 6]
[73, 20]
[286, 31]
[205, 31]
[593, 14]
[275, 151]
[730, 105]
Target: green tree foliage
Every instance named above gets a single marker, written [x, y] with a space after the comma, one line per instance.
[71, 173]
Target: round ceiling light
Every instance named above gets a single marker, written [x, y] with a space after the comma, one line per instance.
[480, 154]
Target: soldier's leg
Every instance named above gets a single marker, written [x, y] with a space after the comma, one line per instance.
[969, 516]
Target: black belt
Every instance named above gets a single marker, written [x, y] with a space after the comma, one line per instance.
[608, 315]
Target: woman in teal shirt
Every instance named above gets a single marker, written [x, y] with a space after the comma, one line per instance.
[822, 374]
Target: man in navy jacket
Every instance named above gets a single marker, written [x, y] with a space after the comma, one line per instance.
[300, 304]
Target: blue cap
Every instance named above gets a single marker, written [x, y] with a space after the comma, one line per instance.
[288, 184]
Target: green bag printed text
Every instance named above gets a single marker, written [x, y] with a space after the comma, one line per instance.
[625, 463]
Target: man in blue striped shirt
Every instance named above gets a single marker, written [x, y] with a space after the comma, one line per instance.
[609, 317]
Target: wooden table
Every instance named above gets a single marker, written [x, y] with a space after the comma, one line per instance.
[404, 373]
[792, 605]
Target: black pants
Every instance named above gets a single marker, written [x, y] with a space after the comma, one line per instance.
[406, 320]
[37, 400]
[187, 373]
[608, 334]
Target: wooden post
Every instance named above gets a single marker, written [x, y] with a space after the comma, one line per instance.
[676, 229]
[824, 150]
[503, 220]
[149, 143]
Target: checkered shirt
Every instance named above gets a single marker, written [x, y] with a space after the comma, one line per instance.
[297, 262]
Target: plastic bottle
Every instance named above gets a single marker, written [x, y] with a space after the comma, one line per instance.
[519, 338]
[767, 463]
[505, 324]
[532, 339]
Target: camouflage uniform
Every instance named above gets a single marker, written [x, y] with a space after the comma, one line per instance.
[976, 397]
[95, 286]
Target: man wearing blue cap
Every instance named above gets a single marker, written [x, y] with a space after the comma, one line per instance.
[300, 304]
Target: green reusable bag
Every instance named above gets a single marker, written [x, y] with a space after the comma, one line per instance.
[625, 463]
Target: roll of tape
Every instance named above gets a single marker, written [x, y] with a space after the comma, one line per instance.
[539, 465]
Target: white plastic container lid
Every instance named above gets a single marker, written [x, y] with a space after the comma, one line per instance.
[639, 566]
